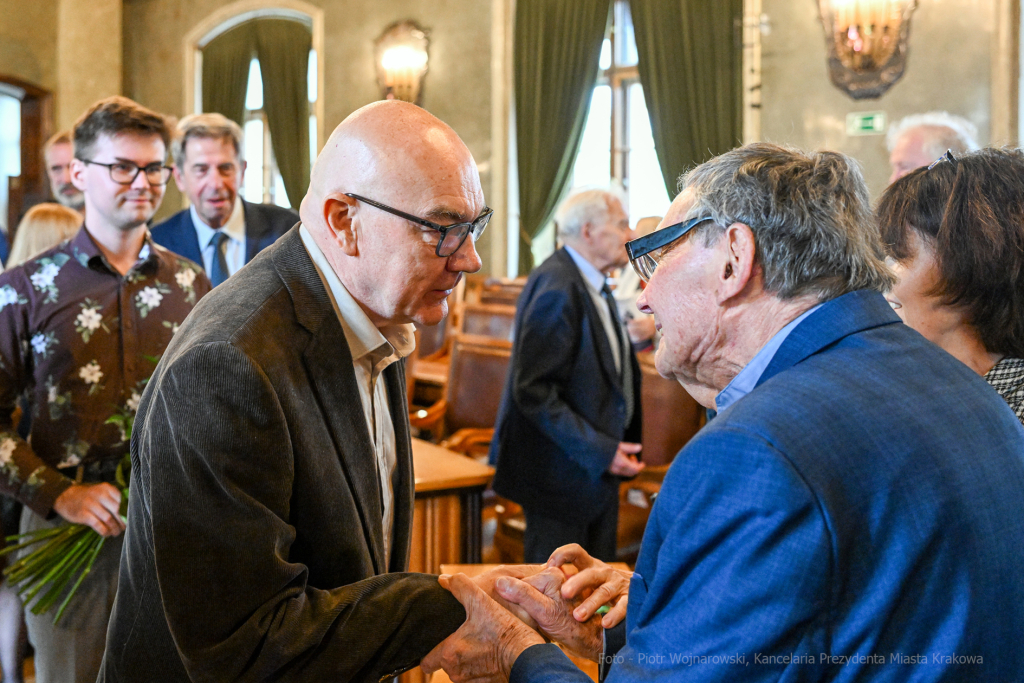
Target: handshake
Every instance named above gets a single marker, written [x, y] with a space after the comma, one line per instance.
[511, 608]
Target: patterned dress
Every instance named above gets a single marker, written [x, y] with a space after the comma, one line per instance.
[1007, 377]
[79, 340]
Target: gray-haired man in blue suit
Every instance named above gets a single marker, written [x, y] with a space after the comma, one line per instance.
[854, 512]
[220, 231]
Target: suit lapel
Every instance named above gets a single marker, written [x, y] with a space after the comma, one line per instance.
[598, 334]
[255, 230]
[190, 247]
[404, 480]
[328, 363]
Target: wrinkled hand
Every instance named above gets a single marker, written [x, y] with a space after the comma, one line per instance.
[542, 598]
[599, 583]
[97, 505]
[640, 329]
[486, 581]
[487, 644]
[625, 463]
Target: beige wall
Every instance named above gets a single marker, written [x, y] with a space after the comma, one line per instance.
[457, 88]
[71, 48]
[28, 40]
[88, 56]
[949, 67]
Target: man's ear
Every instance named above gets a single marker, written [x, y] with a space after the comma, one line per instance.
[738, 266]
[338, 219]
[77, 170]
[176, 172]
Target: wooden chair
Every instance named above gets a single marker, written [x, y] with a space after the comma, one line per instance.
[487, 320]
[433, 346]
[502, 291]
[671, 418]
[476, 375]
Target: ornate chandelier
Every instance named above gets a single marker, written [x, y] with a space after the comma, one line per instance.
[867, 43]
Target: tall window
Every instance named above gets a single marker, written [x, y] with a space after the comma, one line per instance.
[10, 149]
[617, 146]
[263, 183]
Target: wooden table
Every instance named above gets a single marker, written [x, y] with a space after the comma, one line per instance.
[446, 523]
[446, 519]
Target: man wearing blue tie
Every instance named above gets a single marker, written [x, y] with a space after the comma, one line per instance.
[220, 230]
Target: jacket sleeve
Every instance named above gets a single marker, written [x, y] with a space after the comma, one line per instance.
[23, 474]
[547, 341]
[739, 582]
[217, 469]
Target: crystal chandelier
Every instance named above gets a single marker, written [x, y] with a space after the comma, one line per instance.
[867, 43]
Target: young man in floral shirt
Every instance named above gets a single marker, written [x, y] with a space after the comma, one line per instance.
[81, 328]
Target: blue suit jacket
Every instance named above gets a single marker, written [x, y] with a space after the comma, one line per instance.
[563, 413]
[264, 223]
[865, 502]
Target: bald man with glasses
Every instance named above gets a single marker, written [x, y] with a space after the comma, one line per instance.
[271, 508]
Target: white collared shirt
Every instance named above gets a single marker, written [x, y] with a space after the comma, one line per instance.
[234, 247]
[372, 350]
[595, 280]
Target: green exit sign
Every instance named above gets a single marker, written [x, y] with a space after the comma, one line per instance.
[865, 123]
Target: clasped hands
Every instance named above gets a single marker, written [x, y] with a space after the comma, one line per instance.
[511, 608]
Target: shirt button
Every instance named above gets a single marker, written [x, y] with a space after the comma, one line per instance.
[127, 324]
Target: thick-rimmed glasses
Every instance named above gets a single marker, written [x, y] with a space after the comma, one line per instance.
[452, 236]
[125, 172]
[645, 253]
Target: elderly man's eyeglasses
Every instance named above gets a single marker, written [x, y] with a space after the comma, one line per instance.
[645, 253]
[125, 172]
[452, 236]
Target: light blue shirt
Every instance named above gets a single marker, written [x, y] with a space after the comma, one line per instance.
[743, 383]
[234, 247]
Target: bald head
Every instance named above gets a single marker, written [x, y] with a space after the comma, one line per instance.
[400, 156]
[381, 151]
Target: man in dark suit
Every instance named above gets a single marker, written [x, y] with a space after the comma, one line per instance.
[569, 423]
[272, 483]
[220, 231]
[854, 510]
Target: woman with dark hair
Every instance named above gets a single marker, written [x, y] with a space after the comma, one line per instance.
[955, 236]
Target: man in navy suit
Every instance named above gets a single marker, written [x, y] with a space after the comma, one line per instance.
[569, 423]
[221, 231]
[854, 512]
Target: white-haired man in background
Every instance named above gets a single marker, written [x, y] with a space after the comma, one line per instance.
[569, 423]
[919, 139]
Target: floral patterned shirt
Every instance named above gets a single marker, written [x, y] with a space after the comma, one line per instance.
[79, 340]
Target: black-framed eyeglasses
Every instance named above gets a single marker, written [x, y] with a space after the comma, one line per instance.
[644, 252]
[125, 172]
[948, 156]
[452, 236]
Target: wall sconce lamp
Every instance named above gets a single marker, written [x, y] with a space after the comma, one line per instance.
[867, 43]
[402, 61]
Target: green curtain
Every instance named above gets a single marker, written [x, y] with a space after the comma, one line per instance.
[557, 47]
[226, 72]
[283, 49]
[690, 62]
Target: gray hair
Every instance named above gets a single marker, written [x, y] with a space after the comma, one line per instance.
[949, 132]
[809, 212]
[210, 125]
[580, 208]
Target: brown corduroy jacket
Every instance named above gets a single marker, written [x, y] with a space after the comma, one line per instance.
[254, 549]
